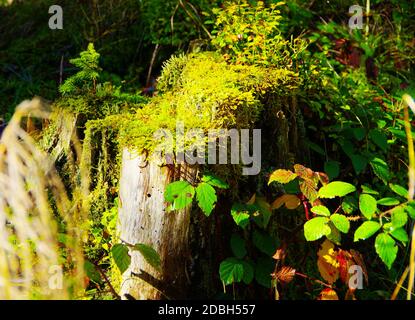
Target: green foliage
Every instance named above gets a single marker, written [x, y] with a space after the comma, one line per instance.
[248, 33]
[86, 77]
[179, 194]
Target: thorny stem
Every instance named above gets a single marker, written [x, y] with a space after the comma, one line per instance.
[313, 279]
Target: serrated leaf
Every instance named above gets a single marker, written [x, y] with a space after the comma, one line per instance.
[399, 217]
[282, 176]
[335, 235]
[206, 197]
[321, 211]
[238, 246]
[386, 248]
[399, 190]
[231, 270]
[316, 228]
[332, 168]
[214, 181]
[285, 275]
[336, 189]
[307, 187]
[179, 194]
[401, 235]
[149, 254]
[379, 138]
[121, 257]
[367, 205]
[366, 230]
[410, 209]
[240, 215]
[381, 169]
[388, 202]
[340, 222]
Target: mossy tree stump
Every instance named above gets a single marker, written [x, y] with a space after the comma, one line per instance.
[143, 219]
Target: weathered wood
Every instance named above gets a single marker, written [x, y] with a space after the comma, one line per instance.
[143, 219]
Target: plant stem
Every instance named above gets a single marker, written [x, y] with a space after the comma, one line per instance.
[411, 174]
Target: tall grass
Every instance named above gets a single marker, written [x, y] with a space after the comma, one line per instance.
[39, 223]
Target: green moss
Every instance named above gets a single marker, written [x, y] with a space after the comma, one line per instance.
[208, 93]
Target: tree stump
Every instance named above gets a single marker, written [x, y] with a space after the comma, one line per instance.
[143, 219]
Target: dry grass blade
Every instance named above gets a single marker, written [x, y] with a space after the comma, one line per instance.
[32, 200]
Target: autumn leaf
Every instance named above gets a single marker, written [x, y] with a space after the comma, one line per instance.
[327, 262]
[285, 274]
[290, 201]
[328, 294]
[282, 176]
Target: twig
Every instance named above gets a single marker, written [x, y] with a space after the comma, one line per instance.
[102, 273]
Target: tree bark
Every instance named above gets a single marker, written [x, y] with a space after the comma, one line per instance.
[143, 219]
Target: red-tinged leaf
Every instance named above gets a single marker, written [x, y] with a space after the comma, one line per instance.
[324, 178]
[345, 261]
[282, 176]
[304, 172]
[285, 274]
[281, 252]
[328, 294]
[308, 188]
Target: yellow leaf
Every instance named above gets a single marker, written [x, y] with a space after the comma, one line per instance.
[328, 294]
[289, 200]
[327, 262]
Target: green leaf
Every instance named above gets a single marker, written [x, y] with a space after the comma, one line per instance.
[179, 194]
[340, 222]
[231, 270]
[336, 189]
[369, 190]
[206, 197]
[263, 270]
[121, 257]
[282, 176]
[240, 215]
[399, 217]
[400, 234]
[410, 209]
[367, 205]
[332, 168]
[399, 190]
[316, 228]
[149, 254]
[91, 272]
[214, 181]
[264, 242]
[321, 211]
[379, 138]
[366, 230]
[359, 133]
[238, 246]
[334, 236]
[359, 163]
[388, 202]
[381, 169]
[248, 275]
[349, 204]
[386, 248]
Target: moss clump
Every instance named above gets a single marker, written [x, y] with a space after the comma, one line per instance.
[203, 91]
